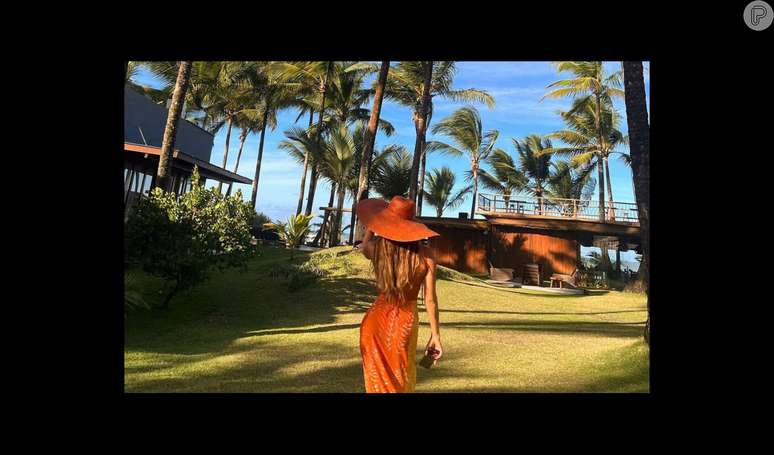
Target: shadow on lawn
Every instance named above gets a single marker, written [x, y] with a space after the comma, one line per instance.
[268, 368]
[607, 329]
[236, 304]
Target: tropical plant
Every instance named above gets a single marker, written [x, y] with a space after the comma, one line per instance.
[464, 127]
[639, 134]
[535, 165]
[391, 177]
[182, 238]
[591, 88]
[583, 143]
[505, 177]
[293, 230]
[339, 162]
[440, 184]
[405, 85]
[158, 95]
[569, 189]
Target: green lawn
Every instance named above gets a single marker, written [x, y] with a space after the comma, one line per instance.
[245, 332]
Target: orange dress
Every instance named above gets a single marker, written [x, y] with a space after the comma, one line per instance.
[388, 342]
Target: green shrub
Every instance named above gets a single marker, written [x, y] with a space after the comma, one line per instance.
[133, 298]
[182, 239]
[293, 230]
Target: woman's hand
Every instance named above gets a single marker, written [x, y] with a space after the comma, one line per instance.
[434, 345]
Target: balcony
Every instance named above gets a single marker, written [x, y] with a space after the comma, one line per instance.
[517, 206]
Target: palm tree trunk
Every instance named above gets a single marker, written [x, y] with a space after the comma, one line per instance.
[439, 211]
[336, 228]
[225, 151]
[475, 192]
[312, 190]
[639, 146]
[306, 169]
[170, 130]
[254, 196]
[242, 138]
[600, 164]
[420, 192]
[610, 205]
[313, 183]
[601, 180]
[421, 129]
[319, 239]
[368, 145]
[352, 222]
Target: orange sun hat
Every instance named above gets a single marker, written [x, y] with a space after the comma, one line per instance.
[394, 221]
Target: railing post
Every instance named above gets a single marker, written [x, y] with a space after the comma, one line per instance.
[575, 208]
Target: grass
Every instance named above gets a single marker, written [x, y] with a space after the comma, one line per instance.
[243, 331]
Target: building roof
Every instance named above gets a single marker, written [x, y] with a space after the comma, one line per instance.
[206, 169]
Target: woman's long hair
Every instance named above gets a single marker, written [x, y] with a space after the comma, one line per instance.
[396, 265]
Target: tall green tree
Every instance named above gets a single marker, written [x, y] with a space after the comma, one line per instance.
[170, 130]
[505, 177]
[569, 182]
[339, 161]
[440, 190]
[586, 146]
[406, 85]
[590, 84]
[535, 165]
[639, 143]
[276, 91]
[464, 127]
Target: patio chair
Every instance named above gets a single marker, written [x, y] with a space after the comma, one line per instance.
[500, 274]
[563, 280]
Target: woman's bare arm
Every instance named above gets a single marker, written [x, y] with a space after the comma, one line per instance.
[431, 306]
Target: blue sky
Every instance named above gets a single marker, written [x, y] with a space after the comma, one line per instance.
[516, 86]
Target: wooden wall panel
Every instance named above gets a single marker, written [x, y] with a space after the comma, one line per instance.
[556, 252]
[460, 249]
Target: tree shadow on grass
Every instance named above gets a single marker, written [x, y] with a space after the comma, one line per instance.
[607, 329]
[274, 368]
[237, 304]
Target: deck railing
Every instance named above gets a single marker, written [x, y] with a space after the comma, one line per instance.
[618, 212]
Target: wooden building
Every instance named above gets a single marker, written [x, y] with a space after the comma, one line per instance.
[508, 239]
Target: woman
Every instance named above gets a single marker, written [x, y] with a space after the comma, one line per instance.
[388, 333]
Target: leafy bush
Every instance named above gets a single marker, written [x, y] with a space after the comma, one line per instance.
[133, 298]
[182, 239]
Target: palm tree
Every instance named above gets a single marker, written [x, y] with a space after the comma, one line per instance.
[568, 182]
[339, 161]
[309, 74]
[505, 178]
[464, 127]
[406, 85]
[535, 165]
[170, 130]
[591, 85]
[583, 140]
[639, 143]
[159, 95]
[276, 92]
[391, 177]
[440, 184]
